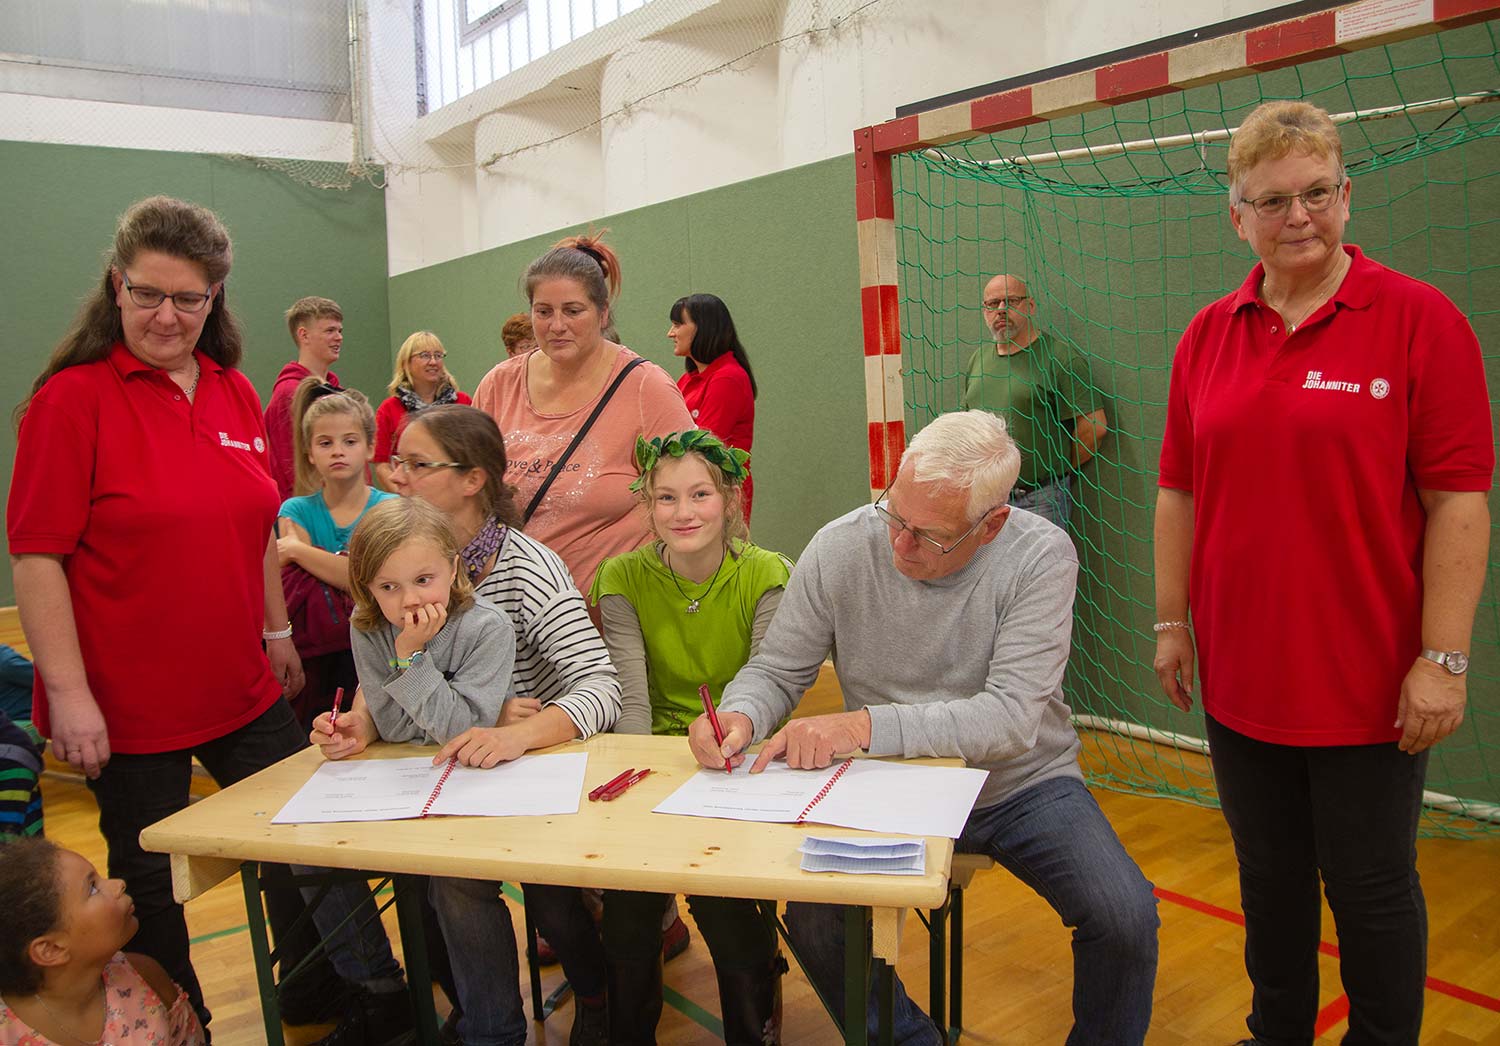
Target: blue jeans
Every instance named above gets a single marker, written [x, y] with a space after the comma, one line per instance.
[1345, 814]
[1055, 839]
[1052, 501]
[479, 943]
[135, 791]
[482, 950]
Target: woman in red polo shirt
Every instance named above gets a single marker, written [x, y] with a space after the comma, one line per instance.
[718, 385]
[1322, 519]
[141, 531]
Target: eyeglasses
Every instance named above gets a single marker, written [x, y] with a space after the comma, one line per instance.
[897, 525]
[1013, 301]
[151, 298]
[416, 467]
[1314, 201]
[430, 357]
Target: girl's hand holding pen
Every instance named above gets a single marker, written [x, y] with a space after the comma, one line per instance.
[354, 733]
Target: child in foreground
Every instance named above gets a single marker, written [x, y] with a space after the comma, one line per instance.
[683, 612]
[433, 661]
[63, 978]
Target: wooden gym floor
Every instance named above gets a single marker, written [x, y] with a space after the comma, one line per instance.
[1018, 978]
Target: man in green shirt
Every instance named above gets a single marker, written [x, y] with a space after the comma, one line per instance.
[1042, 390]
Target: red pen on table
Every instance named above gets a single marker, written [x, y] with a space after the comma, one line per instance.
[614, 791]
[713, 721]
[598, 793]
[333, 717]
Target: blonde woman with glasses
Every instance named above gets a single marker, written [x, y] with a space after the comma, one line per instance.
[1321, 536]
[422, 379]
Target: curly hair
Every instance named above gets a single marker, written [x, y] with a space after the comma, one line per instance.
[30, 899]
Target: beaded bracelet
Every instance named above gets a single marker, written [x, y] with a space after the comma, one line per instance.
[285, 633]
[1168, 626]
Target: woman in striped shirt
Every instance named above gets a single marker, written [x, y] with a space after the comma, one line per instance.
[564, 684]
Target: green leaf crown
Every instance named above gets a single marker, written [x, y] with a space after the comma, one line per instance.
[729, 460]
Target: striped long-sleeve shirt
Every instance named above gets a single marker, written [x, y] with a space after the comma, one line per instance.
[560, 657]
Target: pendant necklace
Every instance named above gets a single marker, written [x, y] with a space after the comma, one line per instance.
[693, 605]
[61, 1024]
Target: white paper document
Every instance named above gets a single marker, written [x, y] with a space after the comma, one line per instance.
[864, 856]
[855, 793]
[397, 789]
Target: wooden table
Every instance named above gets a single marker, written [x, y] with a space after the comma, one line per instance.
[617, 845]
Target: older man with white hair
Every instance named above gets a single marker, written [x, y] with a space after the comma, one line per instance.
[948, 613]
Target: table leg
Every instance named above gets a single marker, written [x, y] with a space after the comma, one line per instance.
[857, 956]
[937, 959]
[409, 891]
[260, 948]
[885, 993]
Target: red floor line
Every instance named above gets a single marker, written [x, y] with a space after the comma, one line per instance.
[1448, 988]
[1458, 991]
[1329, 1016]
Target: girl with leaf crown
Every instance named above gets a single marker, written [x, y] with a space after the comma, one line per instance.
[686, 611]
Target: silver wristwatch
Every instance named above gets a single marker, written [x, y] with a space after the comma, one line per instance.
[1455, 661]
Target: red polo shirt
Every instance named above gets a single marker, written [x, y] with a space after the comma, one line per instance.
[161, 509]
[720, 400]
[1304, 454]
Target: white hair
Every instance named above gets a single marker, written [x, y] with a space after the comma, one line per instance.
[968, 450]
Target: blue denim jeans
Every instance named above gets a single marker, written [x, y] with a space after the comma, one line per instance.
[1346, 815]
[1055, 839]
[481, 945]
[135, 791]
[1052, 501]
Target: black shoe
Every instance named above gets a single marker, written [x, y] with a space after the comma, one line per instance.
[314, 999]
[590, 1024]
[372, 1019]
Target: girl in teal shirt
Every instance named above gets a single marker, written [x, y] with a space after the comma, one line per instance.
[689, 609]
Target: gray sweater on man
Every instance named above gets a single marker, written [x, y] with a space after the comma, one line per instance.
[969, 665]
[461, 680]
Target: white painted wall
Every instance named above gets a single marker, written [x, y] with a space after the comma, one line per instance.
[71, 121]
[792, 104]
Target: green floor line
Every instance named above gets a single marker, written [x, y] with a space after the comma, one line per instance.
[218, 933]
[691, 1010]
[675, 999]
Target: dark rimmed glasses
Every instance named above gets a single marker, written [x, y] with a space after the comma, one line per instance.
[1011, 301]
[151, 298]
[896, 524]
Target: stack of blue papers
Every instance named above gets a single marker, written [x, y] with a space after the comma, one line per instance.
[864, 855]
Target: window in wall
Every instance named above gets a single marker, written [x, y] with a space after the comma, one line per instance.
[463, 45]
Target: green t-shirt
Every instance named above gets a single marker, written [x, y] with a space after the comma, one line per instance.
[684, 651]
[1038, 391]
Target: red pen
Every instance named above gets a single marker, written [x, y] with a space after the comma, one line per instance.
[333, 717]
[598, 793]
[616, 790]
[713, 721]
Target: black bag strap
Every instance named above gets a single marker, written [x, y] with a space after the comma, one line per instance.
[541, 492]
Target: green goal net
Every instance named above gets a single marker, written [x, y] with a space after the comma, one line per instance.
[1117, 219]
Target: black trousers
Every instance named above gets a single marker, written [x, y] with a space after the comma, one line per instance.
[1344, 815]
[135, 791]
[737, 937]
